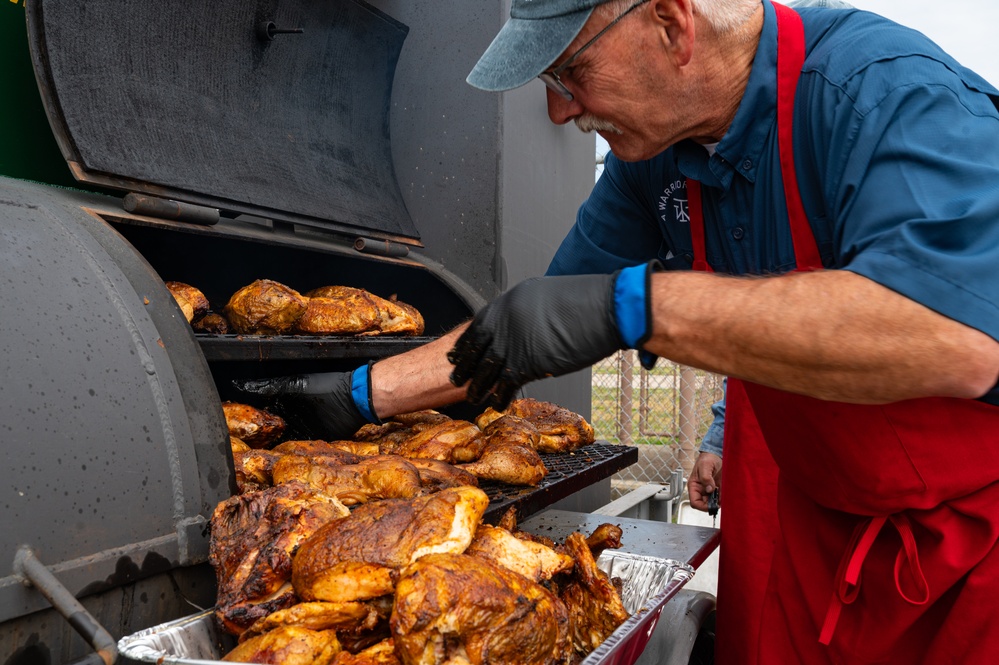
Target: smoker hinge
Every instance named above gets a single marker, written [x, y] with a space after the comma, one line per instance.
[381, 247]
[151, 206]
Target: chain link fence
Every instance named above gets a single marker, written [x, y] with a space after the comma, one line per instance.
[664, 412]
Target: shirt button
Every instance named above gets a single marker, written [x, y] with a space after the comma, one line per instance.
[689, 258]
[747, 164]
[738, 232]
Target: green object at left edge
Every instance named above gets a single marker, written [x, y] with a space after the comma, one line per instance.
[28, 150]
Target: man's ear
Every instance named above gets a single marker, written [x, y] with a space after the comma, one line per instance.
[675, 20]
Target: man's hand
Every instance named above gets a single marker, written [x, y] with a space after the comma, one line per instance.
[550, 326]
[705, 477]
[323, 405]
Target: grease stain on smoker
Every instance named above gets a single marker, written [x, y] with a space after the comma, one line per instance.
[127, 571]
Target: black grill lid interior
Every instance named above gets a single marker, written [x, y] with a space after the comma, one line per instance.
[194, 101]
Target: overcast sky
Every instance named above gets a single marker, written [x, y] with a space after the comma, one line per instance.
[967, 29]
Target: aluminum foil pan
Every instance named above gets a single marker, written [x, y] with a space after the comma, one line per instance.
[648, 583]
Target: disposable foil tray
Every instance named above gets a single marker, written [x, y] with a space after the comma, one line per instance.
[648, 583]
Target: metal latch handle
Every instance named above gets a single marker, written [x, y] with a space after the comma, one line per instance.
[34, 573]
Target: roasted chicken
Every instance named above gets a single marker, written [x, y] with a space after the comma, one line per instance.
[355, 558]
[265, 307]
[257, 428]
[595, 608]
[212, 323]
[455, 608]
[508, 462]
[253, 538]
[254, 469]
[560, 429]
[382, 477]
[436, 475]
[351, 312]
[288, 645]
[352, 616]
[391, 317]
[191, 301]
[382, 653]
[533, 560]
[317, 448]
[452, 441]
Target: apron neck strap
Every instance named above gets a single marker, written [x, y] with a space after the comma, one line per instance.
[790, 59]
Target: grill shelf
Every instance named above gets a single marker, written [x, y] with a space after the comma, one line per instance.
[294, 347]
[567, 474]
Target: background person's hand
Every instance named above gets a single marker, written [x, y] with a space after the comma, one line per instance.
[704, 478]
[322, 405]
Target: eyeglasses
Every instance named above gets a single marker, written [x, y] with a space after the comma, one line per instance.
[551, 77]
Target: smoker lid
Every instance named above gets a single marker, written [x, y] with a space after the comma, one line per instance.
[199, 102]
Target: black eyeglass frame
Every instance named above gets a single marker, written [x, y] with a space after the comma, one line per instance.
[551, 77]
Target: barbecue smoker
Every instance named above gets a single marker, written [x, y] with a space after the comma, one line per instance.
[311, 143]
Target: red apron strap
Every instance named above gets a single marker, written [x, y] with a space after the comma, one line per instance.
[848, 576]
[696, 210]
[790, 59]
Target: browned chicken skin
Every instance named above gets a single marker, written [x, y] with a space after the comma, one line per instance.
[257, 428]
[265, 307]
[436, 475]
[533, 560]
[317, 616]
[595, 608]
[349, 314]
[383, 316]
[253, 538]
[510, 463]
[317, 448]
[382, 653]
[382, 477]
[211, 322]
[254, 469]
[560, 429]
[288, 645]
[452, 441]
[355, 558]
[460, 608]
[192, 302]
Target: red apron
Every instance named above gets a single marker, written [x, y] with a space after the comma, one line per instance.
[887, 538]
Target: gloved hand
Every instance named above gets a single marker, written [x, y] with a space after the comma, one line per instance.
[330, 405]
[549, 326]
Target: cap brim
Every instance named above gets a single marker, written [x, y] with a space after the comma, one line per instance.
[523, 49]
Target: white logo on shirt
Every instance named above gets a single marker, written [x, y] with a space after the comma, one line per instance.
[669, 199]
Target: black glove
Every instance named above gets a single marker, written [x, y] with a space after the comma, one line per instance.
[330, 405]
[550, 326]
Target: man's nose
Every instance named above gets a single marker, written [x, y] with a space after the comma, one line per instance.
[561, 110]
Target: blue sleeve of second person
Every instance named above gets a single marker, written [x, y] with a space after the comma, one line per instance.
[713, 438]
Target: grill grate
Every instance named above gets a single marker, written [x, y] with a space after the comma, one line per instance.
[567, 473]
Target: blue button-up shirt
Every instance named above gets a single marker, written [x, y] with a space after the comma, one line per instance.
[897, 151]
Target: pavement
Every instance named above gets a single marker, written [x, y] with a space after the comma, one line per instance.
[706, 576]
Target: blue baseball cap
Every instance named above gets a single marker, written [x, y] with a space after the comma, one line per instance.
[538, 32]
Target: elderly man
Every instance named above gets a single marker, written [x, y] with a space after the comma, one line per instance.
[808, 203]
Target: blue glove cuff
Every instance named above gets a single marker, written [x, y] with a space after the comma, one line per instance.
[631, 309]
[360, 390]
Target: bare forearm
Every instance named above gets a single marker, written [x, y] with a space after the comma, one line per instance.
[415, 380]
[830, 334]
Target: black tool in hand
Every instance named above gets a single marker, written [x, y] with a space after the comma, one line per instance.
[713, 500]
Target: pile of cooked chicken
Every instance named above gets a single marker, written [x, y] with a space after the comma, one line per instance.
[266, 307]
[408, 455]
[373, 550]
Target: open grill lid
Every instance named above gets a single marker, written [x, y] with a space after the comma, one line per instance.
[212, 104]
